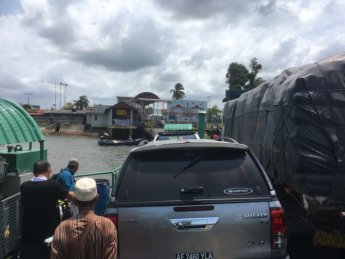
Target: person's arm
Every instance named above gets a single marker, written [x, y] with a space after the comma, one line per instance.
[57, 251]
[67, 180]
[70, 196]
[60, 191]
[111, 241]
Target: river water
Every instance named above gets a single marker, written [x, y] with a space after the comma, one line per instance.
[92, 157]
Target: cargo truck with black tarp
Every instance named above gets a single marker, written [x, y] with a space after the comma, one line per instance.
[295, 124]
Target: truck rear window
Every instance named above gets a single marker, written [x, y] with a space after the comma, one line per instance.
[185, 174]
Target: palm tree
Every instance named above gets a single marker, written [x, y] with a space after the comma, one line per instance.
[82, 103]
[178, 92]
[255, 67]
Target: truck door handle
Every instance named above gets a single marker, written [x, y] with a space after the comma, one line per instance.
[194, 223]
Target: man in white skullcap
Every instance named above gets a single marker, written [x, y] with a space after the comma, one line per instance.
[85, 235]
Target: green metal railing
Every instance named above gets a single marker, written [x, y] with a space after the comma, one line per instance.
[112, 173]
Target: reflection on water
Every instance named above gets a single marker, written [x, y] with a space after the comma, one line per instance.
[91, 156]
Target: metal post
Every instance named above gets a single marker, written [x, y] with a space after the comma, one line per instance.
[42, 149]
[188, 111]
[55, 98]
[28, 94]
[142, 106]
[131, 123]
[209, 101]
[64, 102]
[60, 95]
[201, 124]
[64, 95]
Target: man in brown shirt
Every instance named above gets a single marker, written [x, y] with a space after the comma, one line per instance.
[86, 235]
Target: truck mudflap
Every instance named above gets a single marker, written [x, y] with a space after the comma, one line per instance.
[329, 219]
[10, 225]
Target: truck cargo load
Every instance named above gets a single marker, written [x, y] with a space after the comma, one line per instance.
[295, 124]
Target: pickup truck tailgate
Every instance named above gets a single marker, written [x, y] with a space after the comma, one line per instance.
[228, 230]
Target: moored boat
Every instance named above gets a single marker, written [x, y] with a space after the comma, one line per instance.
[112, 142]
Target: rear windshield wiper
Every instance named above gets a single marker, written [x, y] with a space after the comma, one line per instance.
[189, 165]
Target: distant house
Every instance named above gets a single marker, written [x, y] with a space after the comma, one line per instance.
[131, 116]
[98, 118]
[122, 114]
[119, 120]
[35, 107]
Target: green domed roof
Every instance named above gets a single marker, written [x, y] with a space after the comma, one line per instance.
[16, 125]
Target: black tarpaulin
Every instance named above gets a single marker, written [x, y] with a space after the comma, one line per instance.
[295, 124]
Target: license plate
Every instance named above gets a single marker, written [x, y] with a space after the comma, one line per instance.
[202, 255]
[329, 239]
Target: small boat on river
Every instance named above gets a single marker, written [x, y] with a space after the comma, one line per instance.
[112, 142]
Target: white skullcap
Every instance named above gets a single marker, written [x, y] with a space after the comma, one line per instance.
[85, 189]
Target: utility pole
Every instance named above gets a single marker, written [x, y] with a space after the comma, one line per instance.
[28, 94]
[60, 95]
[55, 98]
[64, 97]
[64, 101]
[209, 101]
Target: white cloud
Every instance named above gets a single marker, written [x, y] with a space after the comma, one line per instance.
[106, 48]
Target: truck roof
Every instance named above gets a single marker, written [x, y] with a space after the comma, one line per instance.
[197, 143]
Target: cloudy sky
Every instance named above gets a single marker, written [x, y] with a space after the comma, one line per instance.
[109, 48]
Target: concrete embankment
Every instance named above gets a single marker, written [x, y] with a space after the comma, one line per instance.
[64, 123]
[71, 129]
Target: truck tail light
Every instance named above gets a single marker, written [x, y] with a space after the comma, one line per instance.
[278, 228]
[113, 218]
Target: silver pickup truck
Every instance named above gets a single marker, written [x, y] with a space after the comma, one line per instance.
[196, 199]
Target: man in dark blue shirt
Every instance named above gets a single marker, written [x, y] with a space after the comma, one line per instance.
[39, 199]
[66, 176]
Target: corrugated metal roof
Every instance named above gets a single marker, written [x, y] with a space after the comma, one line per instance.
[100, 108]
[16, 125]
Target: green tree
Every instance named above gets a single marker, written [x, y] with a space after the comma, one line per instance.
[254, 67]
[27, 107]
[214, 114]
[82, 103]
[178, 92]
[237, 76]
[68, 106]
